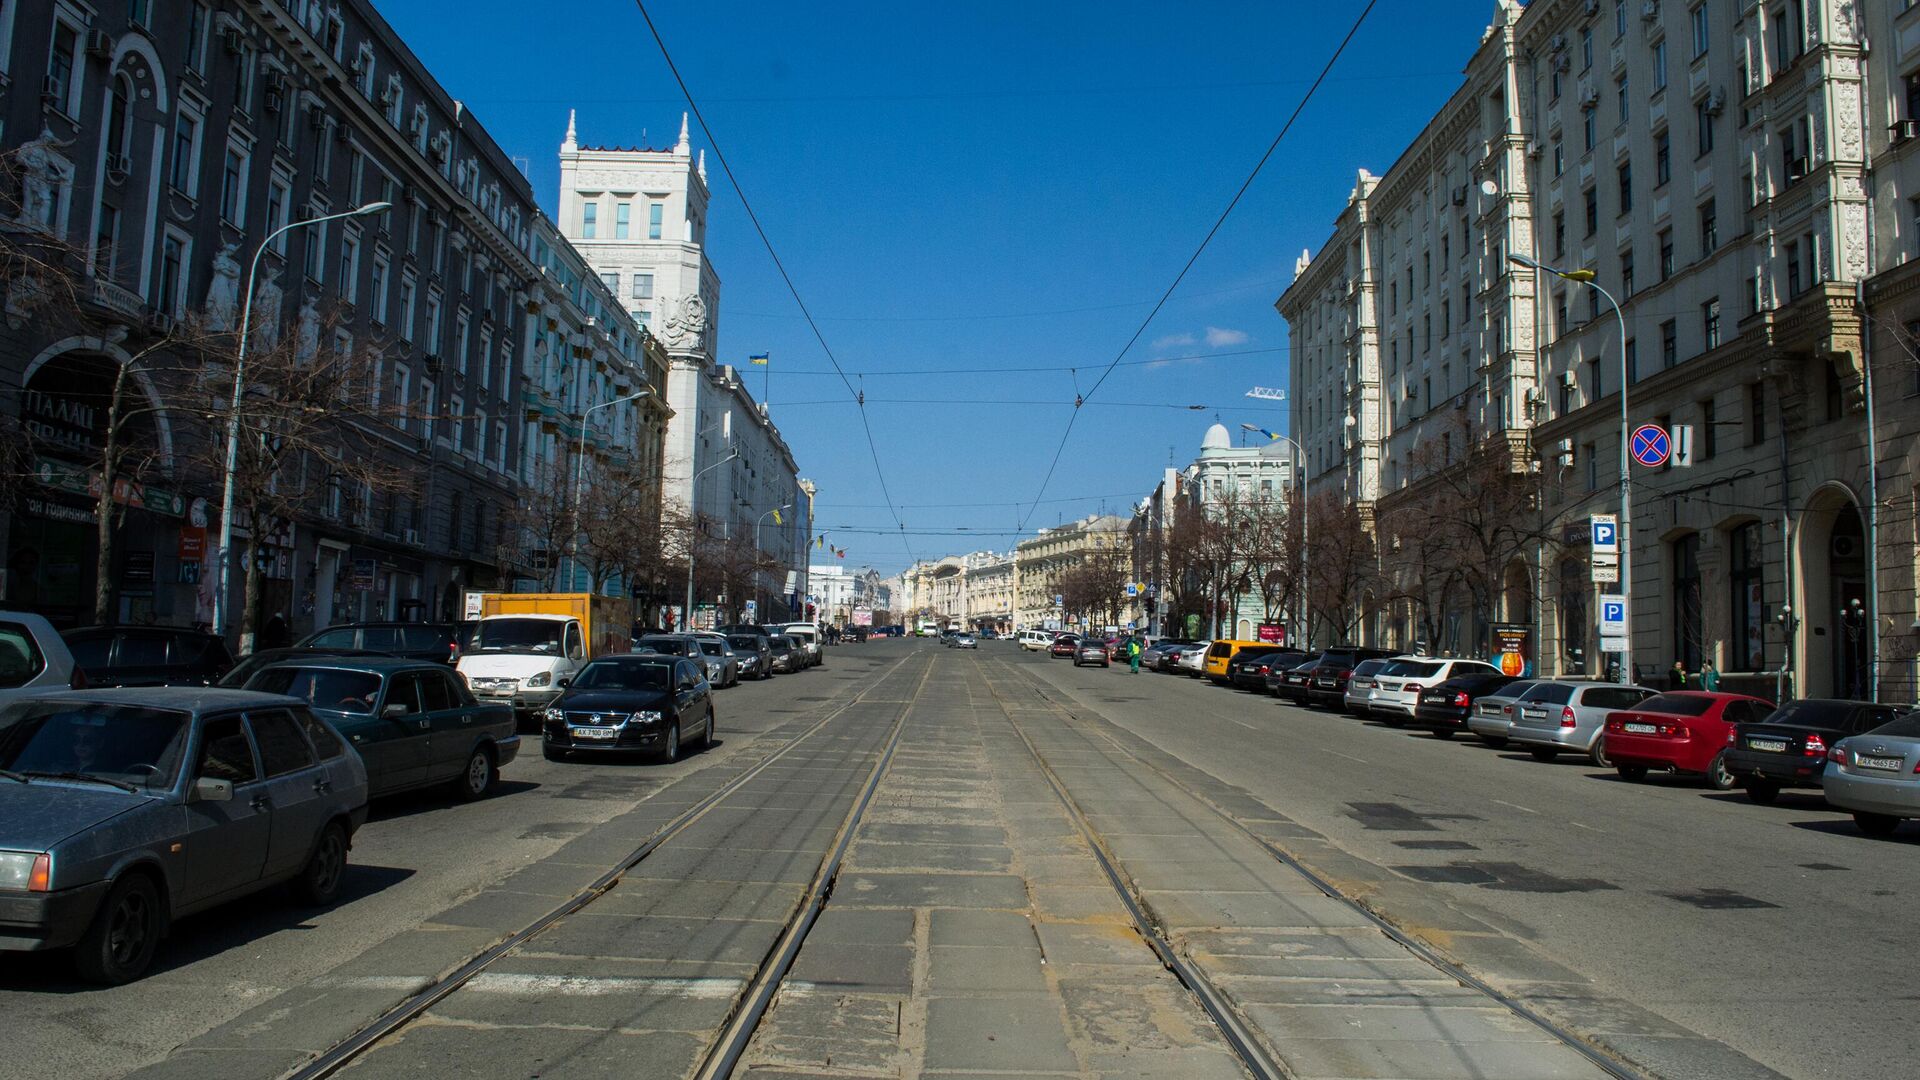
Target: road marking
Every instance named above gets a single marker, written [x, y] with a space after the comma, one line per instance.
[1516, 806]
[1349, 757]
[586, 986]
[1244, 724]
[1577, 825]
[404, 983]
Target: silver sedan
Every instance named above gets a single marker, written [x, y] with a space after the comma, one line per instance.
[1492, 718]
[1876, 776]
[1556, 717]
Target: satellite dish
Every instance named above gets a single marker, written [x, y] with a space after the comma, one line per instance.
[1490, 187]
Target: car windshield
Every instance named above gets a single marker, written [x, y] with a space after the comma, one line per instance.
[666, 645]
[331, 689]
[743, 641]
[711, 647]
[1677, 704]
[1514, 689]
[1549, 694]
[624, 675]
[122, 745]
[518, 635]
[1906, 727]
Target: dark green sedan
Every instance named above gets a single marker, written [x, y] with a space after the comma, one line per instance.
[414, 722]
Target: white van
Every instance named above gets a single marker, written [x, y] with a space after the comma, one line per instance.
[808, 635]
[1034, 639]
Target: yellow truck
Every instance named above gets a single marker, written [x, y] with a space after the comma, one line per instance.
[526, 643]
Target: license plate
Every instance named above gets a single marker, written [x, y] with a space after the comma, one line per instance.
[1865, 762]
[1642, 729]
[1387, 686]
[1541, 714]
[1772, 746]
[594, 733]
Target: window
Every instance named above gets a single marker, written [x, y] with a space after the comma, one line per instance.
[500, 445]
[1589, 125]
[1630, 354]
[1559, 158]
[1626, 271]
[1625, 175]
[1703, 126]
[60, 65]
[316, 246]
[643, 286]
[185, 174]
[589, 220]
[1662, 159]
[622, 220]
[433, 322]
[1620, 96]
[1591, 452]
[225, 753]
[1669, 343]
[1689, 630]
[480, 436]
[1748, 582]
[1553, 80]
[612, 281]
[377, 286]
[1566, 395]
[1753, 293]
[402, 395]
[1756, 413]
[406, 306]
[1666, 254]
[282, 748]
[1700, 34]
[233, 187]
[457, 408]
[106, 243]
[1559, 234]
[1836, 401]
[1660, 65]
[1586, 47]
[655, 217]
[1620, 18]
[1593, 211]
[349, 267]
[461, 325]
[1709, 228]
[279, 207]
[171, 285]
[1710, 324]
[198, 20]
[1708, 443]
[1794, 282]
[429, 403]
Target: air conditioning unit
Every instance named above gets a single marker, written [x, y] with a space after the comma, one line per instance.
[1650, 10]
[100, 44]
[1558, 43]
[1591, 101]
[1565, 446]
[317, 119]
[1534, 150]
[1569, 380]
[1593, 7]
[1904, 130]
[273, 100]
[51, 87]
[1716, 101]
[413, 536]
[232, 40]
[411, 195]
[1562, 62]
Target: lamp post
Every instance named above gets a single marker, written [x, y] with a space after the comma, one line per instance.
[1586, 277]
[693, 503]
[579, 470]
[763, 518]
[1306, 610]
[233, 417]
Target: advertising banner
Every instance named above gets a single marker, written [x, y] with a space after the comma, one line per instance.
[1274, 632]
[1513, 649]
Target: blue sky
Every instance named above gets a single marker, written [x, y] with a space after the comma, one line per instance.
[958, 188]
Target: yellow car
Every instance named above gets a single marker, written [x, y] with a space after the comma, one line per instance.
[1222, 651]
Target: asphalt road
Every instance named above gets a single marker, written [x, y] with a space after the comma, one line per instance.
[1779, 931]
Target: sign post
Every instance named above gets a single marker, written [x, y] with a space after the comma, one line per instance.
[1613, 623]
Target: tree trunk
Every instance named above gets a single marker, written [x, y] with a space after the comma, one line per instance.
[250, 604]
[103, 613]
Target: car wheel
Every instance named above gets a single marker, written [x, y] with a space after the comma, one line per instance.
[1443, 733]
[1762, 792]
[477, 779]
[1599, 753]
[120, 942]
[1718, 777]
[1496, 741]
[552, 752]
[1544, 753]
[706, 736]
[1875, 824]
[319, 881]
[670, 753]
[1635, 773]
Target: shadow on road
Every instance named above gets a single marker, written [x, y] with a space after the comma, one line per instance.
[431, 799]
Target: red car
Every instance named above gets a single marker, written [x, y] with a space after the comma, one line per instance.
[1064, 645]
[1687, 731]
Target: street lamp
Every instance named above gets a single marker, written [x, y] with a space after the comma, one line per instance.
[693, 502]
[1300, 452]
[579, 469]
[1586, 277]
[763, 518]
[233, 417]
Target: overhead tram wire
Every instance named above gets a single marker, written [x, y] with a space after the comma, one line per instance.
[858, 399]
[1060, 450]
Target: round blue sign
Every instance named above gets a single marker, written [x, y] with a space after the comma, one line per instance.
[1651, 446]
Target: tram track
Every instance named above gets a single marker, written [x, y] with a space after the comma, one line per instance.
[742, 1021]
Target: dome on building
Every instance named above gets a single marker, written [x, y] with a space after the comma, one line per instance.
[1217, 438]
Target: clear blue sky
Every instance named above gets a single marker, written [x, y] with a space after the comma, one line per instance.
[981, 185]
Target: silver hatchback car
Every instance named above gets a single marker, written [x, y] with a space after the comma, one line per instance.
[1876, 776]
[121, 810]
[1492, 718]
[1553, 718]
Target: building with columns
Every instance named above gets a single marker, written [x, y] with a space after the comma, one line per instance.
[1740, 177]
[1040, 560]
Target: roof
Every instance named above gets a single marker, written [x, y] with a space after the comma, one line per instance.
[184, 698]
[371, 662]
[527, 615]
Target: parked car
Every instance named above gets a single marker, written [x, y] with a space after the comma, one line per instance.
[1687, 731]
[34, 657]
[1789, 747]
[1555, 717]
[788, 655]
[415, 722]
[1492, 719]
[722, 668]
[965, 640]
[1445, 707]
[1875, 776]
[1033, 640]
[1154, 656]
[1091, 651]
[439, 642]
[753, 655]
[1192, 660]
[1249, 669]
[1291, 683]
[237, 676]
[135, 808]
[1360, 684]
[807, 637]
[1396, 689]
[1065, 645]
[988, 634]
[627, 703]
[1220, 653]
[1328, 688]
[148, 655]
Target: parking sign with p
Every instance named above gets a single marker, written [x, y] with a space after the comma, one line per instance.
[1606, 534]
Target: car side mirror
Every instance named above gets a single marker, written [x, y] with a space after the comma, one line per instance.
[393, 712]
[563, 683]
[207, 789]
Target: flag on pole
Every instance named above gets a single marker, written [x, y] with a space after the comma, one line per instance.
[759, 358]
[820, 541]
[1267, 433]
[776, 518]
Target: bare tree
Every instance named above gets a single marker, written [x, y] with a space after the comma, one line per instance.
[621, 534]
[1095, 587]
[1341, 566]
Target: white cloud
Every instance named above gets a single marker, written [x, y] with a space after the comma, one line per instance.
[1175, 341]
[1220, 339]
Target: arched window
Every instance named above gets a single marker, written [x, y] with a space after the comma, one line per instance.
[120, 120]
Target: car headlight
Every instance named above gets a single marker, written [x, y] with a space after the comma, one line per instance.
[555, 713]
[648, 716]
[545, 678]
[27, 871]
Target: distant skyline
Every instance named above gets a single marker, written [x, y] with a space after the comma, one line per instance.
[966, 190]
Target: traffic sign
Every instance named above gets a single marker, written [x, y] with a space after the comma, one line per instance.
[1651, 445]
[1612, 644]
[1606, 573]
[1606, 534]
[1613, 615]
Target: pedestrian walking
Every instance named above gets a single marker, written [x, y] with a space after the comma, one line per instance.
[1133, 655]
[1677, 676]
[1709, 677]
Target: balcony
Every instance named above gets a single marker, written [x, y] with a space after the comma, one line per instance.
[113, 299]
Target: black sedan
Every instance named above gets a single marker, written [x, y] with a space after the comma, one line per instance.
[1249, 668]
[1443, 708]
[1292, 683]
[643, 701]
[754, 653]
[1789, 748]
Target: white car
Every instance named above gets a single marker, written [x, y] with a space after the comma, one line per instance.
[807, 635]
[1193, 662]
[1034, 640]
[1396, 687]
[33, 657]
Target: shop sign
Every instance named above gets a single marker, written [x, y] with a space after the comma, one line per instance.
[1273, 632]
[54, 511]
[193, 544]
[139, 568]
[363, 574]
[75, 480]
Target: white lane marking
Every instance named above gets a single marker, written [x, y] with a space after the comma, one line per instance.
[1577, 825]
[1515, 805]
[1349, 757]
[584, 986]
[1244, 724]
[406, 983]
